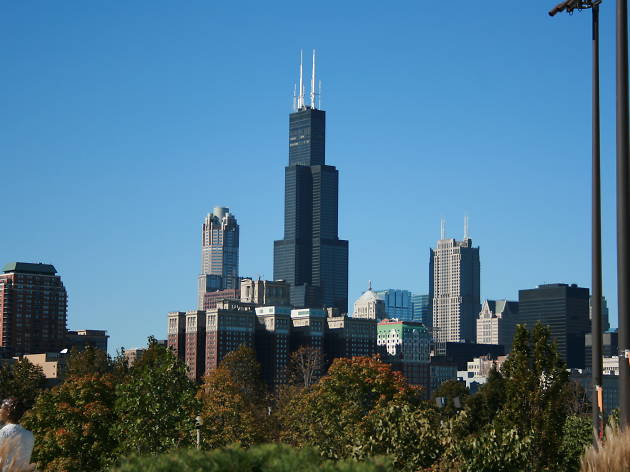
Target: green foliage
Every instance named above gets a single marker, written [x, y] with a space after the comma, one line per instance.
[265, 458]
[88, 361]
[330, 414]
[406, 433]
[23, 381]
[450, 390]
[234, 402]
[536, 394]
[155, 405]
[495, 450]
[577, 435]
[483, 406]
[71, 424]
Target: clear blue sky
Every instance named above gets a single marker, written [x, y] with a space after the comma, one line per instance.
[123, 123]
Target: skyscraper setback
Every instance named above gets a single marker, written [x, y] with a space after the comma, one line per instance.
[311, 257]
[454, 288]
[219, 253]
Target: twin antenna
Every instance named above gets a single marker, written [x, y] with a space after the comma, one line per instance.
[443, 228]
[298, 95]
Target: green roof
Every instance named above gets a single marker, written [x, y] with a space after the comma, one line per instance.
[30, 268]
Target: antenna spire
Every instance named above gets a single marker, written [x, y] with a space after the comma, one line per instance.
[320, 95]
[465, 227]
[294, 97]
[370, 285]
[300, 101]
[313, 82]
[443, 228]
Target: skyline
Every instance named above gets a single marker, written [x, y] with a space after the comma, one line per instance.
[131, 183]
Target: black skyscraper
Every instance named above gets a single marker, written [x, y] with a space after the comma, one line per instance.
[311, 257]
[564, 308]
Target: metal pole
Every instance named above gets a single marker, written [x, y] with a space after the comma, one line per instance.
[623, 217]
[596, 245]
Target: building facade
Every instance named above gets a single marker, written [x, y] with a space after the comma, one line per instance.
[406, 345]
[369, 306]
[565, 309]
[495, 324]
[397, 303]
[350, 337]
[265, 292]
[605, 313]
[610, 347]
[33, 309]
[219, 253]
[212, 299]
[311, 258]
[422, 312]
[83, 338]
[454, 283]
[272, 343]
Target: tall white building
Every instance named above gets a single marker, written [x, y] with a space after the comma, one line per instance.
[454, 288]
[219, 253]
[495, 324]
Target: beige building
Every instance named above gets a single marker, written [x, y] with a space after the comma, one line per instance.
[134, 354]
[52, 364]
[265, 292]
[495, 323]
[369, 306]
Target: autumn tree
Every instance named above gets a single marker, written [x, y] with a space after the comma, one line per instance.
[88, 361]
[331, 413]
[234, 402]
[22, 380]
[155, 406]
[71, 424]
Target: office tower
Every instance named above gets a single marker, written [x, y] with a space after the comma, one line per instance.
[406, 346]
[33, 309]
[83, 338]
[272, 343]
[212, 299]
[605, 313]
[422, 312]
[219, 253]
[265, 292]
[610, 347]
[454, 288]
[369, 306]
[564, 308]
[495, 324]
[176, 340]
[349, 337]
[311, 258]
[195, 357]
[397, 303]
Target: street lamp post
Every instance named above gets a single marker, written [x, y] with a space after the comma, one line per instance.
[596, 243]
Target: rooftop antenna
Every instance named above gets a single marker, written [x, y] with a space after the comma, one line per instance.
[465, 228]
[319, 95]
[369, 285]
[300, 102]
[294, 97]
[313, 82]
[442, 228]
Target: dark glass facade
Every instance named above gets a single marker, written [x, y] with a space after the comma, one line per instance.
[564, 308]
[311, 257]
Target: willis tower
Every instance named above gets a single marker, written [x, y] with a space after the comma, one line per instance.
[311, 257]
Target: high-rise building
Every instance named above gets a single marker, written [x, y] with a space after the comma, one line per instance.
[272, 343]
[406, 346]
[349, 337]
[564, 308]
[82, 338]
[422, 312]
[219, 253]
[33, 309]
[397, 303]
[195, 353]
[311, 257]
[454, 284]
[605, 313]
[369, 306]
[265, 292]
[212, 299]
[495, 324]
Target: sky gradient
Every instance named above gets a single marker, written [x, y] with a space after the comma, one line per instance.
[123, 123]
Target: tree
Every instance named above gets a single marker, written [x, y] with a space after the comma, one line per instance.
[306, 366]
[71, 424]
[483, 406]
[234, 406]
[407, 433]
[156, 405]
[535, 388]
[577, 436]
[88, 361]
[330, 414]
[450, 390]
[23, 381]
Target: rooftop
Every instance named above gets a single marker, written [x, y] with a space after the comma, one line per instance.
[30, 268]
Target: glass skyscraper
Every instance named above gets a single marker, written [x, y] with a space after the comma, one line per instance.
[422, 309]
[397, 303]
[311, 257]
